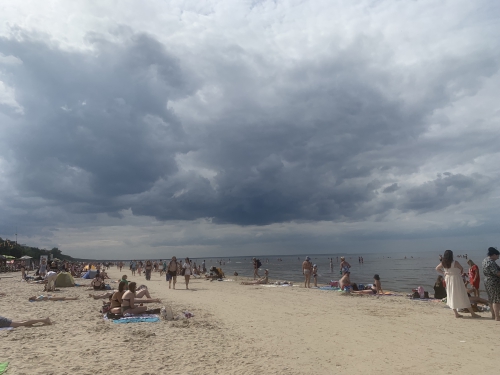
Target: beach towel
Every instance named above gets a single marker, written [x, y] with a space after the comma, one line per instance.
[138, 319]
[6, 328]
[3, 367]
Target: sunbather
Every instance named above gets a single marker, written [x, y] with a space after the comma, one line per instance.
[129, 298]
[116, 298]
[5, 323]
[98, 283]
[262, 280]
[102, 296]
[51, 298]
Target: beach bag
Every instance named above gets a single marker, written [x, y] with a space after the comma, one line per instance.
[168, 277]
[183, 272]
[415, 295]
[106, 307]
[334, 284]
[259, 263]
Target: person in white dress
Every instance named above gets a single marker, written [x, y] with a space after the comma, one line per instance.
[455, 289]
[187, 271]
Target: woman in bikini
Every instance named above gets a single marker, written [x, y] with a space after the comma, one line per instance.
[116, 298]
[128, 301]
[98, 283]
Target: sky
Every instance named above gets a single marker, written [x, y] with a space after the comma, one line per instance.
[133, 129]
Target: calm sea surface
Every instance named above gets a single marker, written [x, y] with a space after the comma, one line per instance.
[396, 272]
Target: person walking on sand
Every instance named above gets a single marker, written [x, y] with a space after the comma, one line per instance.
[133, 266]
[455, 289]
[172, 272]
[306, 271]
[187, 271]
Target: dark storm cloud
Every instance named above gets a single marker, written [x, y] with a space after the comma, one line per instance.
[445, 191]
[305, 140]
[96, 124]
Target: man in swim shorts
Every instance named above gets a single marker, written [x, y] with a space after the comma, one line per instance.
[306, 271]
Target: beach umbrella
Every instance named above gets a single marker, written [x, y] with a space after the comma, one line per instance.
[25, 257]
[9, 257]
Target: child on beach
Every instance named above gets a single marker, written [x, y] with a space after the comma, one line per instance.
[315, 275]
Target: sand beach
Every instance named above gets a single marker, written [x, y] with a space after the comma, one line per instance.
[240, 329]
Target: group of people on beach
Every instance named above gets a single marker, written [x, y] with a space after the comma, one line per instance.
[453, 284]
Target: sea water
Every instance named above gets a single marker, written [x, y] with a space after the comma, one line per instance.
[398, 271]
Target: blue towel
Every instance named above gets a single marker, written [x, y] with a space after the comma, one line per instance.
[134, 319]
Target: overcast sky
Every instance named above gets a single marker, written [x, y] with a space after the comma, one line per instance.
[214, 128]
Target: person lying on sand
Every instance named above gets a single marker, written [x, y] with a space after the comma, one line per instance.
[102, 296]
[262, 280]
[5, 323]
[51, 298]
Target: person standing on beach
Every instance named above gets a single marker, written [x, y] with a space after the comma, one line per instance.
[133, 266]
[491, 271]
[204, 267]
[315, 275]
[172, 272]
[455, 289]
[187, 271]
[256, 266]
[344, 266]
[331, 265]
[147, 269]
[474, 278]
[306, 271]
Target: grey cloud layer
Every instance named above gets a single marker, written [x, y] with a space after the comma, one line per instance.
[327, 138]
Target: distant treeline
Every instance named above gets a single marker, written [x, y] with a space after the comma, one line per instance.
[8, 247]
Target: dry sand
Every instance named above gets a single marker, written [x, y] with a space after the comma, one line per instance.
[245, 330]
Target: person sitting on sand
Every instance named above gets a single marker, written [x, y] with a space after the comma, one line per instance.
[5, 323]
[262, 280]
[98, 283]
[439, 288]
[50, 298]
[215, 274]
[128, 301]
[116, 298]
